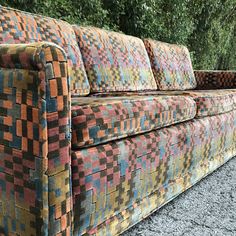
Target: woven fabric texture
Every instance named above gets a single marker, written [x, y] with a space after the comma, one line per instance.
[171, 65]
[35, 173]
[215, 79]
[208, 102]
[213, 102]
[141, 93]
[117, 184]
[22, 27]
[98, 120]
[113, 61]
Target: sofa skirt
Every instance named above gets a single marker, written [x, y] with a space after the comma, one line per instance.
[117, 184]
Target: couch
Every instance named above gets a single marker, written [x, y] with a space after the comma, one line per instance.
[99, 129]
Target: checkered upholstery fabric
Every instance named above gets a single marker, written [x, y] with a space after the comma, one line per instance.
[141, 93]
[113, 61]
[215, 79]
[213, 102]
[35, 173]
[22, 27]
[171, 65]
[117, 184]
[99, 120]
[208, 102]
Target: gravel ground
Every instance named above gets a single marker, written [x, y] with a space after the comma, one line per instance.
[207, 209]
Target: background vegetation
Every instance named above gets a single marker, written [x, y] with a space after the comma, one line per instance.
[206, 27]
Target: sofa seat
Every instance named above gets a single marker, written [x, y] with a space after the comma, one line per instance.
[98, 120]
[213, 102]
[208, 102]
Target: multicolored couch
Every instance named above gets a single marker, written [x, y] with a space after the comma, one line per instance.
[99, 129]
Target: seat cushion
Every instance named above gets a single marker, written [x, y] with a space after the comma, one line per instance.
[114, 61]
[171, 65]
[209, 102]
[98, 120]
[213, 102]
[22, 27]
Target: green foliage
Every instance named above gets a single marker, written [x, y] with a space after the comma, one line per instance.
[208, 28]
[213, 39]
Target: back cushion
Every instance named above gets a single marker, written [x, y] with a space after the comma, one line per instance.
[21, 27]
[171, 65]
[113, 61]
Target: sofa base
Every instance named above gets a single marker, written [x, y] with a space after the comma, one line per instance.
[140, 210]
[117, 184]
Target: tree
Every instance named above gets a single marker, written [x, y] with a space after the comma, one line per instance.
[214, 35]
[207, 28]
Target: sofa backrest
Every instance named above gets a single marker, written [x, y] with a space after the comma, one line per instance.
[171, 65]
[114, 61]
[22, 27]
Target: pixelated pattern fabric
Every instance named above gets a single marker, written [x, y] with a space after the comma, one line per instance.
[215, 79]
[113, 61]
[118, 183]
[171, 65]
[22, 27]
[98, 120]
[208, 102]
[139, 93]
[213, 102]
[35, 173]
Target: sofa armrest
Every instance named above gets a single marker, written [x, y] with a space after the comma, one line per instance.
[32, 56]
[35, 140]
[209, 79]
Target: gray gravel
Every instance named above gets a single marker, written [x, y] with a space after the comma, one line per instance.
[208, 208]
